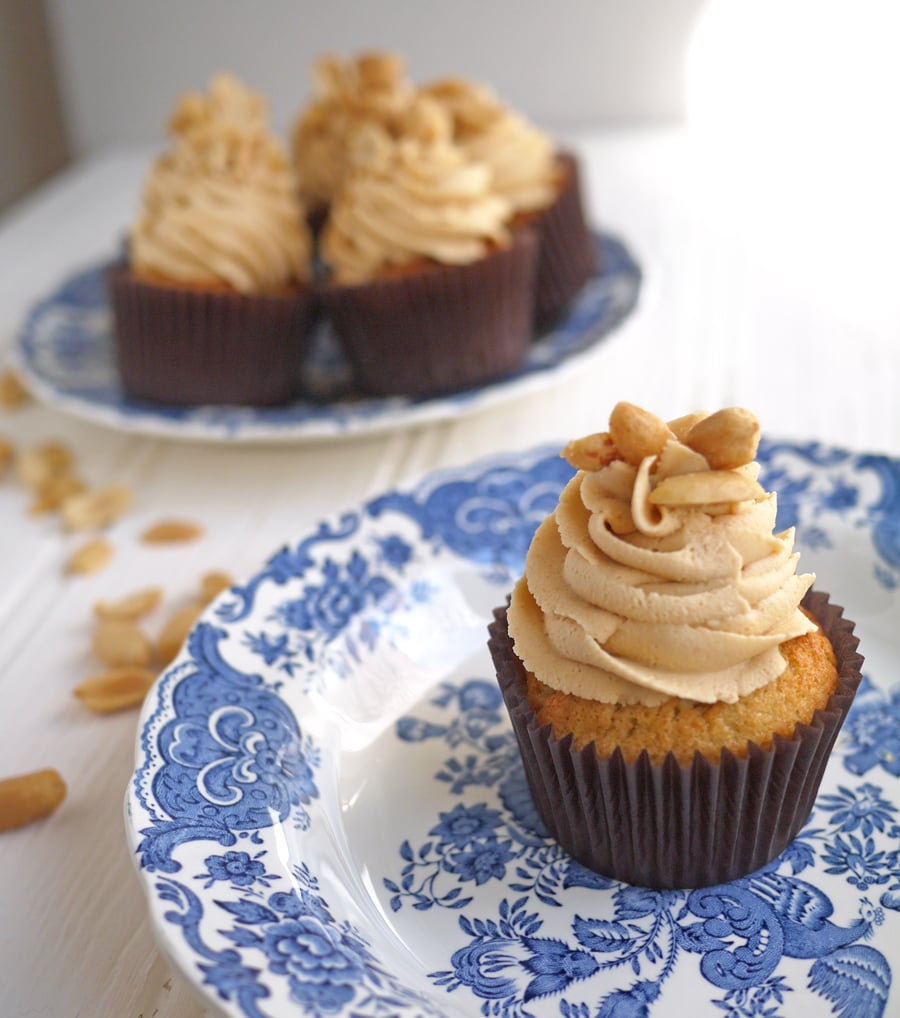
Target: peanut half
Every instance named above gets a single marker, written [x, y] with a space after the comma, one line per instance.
[175, 631]
[90, 557]
[637, 433]
[591, 452]
[172, 531]
[115, 689]
[212, 584]
[727, 439]
[98, 508]
[131, 607]
[29, 797]
[40, 464]
[118, 642]
[706, 487]
[13, 393]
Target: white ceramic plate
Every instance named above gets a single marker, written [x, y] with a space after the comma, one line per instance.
[329, 814]
[65, 352]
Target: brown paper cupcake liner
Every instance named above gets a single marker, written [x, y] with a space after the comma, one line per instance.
[440, 329]
[191, 347]
[674, 826]
[567, 252]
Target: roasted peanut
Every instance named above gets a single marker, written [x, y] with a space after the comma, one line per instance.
[727, 439]
[97, 508]
[115, 689]
[7, 455]
[13, 393]
[53, 492]
[171, 531]
[212, 584]
[29, 797]
[131, 607]
[706, 487]
[591, 452]
[682, 425]
[90, 557]
[637, 433]
[175, 631]
[40, 464]
[119, 642]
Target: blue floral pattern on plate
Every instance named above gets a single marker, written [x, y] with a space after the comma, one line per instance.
[330, 817]
[65, 351]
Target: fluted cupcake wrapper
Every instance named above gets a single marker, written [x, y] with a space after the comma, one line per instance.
[440, 329]
[193, 347]
[670, 825]
[567, 252]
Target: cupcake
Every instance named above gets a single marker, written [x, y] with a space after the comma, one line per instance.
[674, 684]
[427, 288]
[348, 95]
[540, 182]
[213, 302]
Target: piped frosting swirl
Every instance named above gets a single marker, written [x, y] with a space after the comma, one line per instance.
[220, 207]
[659, 577]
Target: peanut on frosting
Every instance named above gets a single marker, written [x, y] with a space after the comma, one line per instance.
[659, 573]
[521, 157]
[220, 207]
[348, 96]
[415, 198]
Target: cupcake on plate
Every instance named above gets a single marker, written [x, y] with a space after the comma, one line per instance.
[213, 303]
[348, 95]
[427, 288]
[674, 684]
[540, 182]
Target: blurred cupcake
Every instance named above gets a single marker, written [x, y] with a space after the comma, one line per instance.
[348, 95]
[540, 182]
[213, 303]
[427, 288]
[674, 686]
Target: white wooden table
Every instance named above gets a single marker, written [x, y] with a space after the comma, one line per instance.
[746, 301]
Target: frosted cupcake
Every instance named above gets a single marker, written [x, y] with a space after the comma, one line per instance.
[348, 95]
[674, 685]
[540, 182]
[427, 287]
[213, 304]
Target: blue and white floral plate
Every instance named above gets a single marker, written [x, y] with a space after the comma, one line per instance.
[65, 352]
[330, 818]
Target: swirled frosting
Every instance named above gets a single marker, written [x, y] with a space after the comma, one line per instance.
[348, 95]
[415, 198]
[220, 207]
[522, 158]
[627, 601]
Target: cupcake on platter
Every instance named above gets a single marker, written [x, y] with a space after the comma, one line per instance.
[674, 684]
[427, 287]
[540, 182]
[213, 303]
[348, 95]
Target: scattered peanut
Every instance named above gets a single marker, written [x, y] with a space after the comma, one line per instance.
[53, 492]
[682, 425]
[90, 557]
[115, 689]
[175, 631]
[705, 488]
[131, 607]
[728, 438]
[637, 433]
[13, 393]
[29, 797]
[39, 465]
[98, 508]
[591, 452]
[7, 455]
[121, 642]
[212, 584]
[170, 531]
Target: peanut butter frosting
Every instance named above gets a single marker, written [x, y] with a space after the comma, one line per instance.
[220, 207]
[659, 574]
[409, 199]
[522, 158]
[348, 96]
